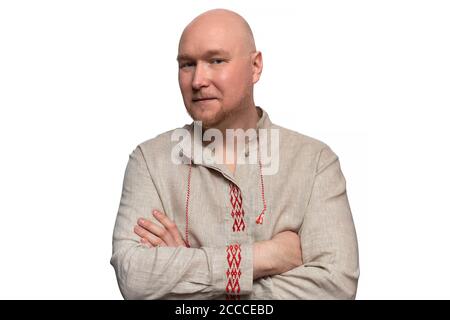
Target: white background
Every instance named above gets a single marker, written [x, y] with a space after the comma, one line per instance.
[83, 82]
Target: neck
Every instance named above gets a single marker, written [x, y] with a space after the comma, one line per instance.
[244, 119]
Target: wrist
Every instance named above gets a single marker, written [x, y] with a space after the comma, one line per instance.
[263, 262]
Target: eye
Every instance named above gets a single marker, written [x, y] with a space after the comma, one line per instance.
[217, 61]
[186, 65]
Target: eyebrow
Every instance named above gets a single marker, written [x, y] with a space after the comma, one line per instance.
[207, 54]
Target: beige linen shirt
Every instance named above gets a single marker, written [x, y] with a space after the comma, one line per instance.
[218, 209]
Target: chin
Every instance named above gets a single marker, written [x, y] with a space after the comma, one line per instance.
[209, 118]
[207, 122]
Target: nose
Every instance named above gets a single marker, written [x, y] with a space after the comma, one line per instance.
[201, 77]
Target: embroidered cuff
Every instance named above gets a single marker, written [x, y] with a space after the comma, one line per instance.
[232, 270]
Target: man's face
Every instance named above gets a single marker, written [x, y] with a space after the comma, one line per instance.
[215, 74]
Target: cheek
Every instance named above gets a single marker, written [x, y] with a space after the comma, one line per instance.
[184, 83]
[232, 83]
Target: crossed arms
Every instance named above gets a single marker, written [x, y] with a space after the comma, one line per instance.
[276, 256]
[325, 267]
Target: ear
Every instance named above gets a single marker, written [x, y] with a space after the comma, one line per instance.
[257, 65]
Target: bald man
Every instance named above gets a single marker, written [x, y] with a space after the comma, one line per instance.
[232, 223]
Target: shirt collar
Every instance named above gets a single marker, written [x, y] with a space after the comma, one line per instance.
[195, 132]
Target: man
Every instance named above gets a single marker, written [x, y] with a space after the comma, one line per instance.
[223, 229]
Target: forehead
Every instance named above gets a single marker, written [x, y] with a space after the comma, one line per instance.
[199, 40]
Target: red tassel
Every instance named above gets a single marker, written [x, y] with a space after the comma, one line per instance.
[260, 218]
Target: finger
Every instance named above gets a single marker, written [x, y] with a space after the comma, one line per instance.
[170, 226]
[153, 228]
[146, 242]
[154, 240]
[160, 232]
[148, 236]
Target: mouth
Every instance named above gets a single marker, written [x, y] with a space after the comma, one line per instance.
[202, 99]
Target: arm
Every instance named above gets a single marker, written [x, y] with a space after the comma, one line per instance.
[277, 255]
[164, 272]
[328, 242]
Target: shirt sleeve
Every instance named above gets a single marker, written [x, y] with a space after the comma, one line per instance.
[165, 272]
[328, 241]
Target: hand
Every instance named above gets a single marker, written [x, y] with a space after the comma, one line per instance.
[154, 235]
[278, 255]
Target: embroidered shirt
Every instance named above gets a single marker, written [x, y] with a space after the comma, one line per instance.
[307, 195]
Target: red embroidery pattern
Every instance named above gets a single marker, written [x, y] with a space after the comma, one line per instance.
[237, 210]
[188, 193]
[234, 272]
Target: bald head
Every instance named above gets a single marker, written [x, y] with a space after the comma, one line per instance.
[218, 66]
[223, 25]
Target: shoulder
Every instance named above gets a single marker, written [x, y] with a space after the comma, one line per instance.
[302, 147]
[161, 142]
[159, 148]
[297, 140]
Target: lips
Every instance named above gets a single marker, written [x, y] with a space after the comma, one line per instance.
[203, 99]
